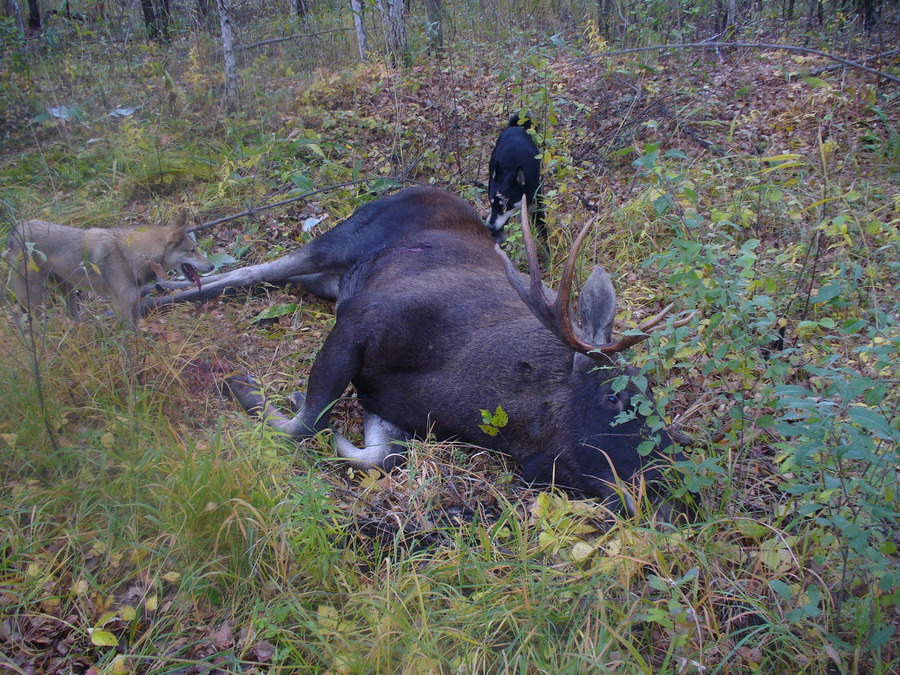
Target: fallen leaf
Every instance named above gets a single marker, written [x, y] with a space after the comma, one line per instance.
[103, 638]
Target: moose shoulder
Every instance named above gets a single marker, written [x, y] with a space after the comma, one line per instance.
[430, 330]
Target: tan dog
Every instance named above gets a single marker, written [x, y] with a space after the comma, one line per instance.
[115, 261]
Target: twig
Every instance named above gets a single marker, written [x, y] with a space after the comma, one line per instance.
[257, 209]
[828, 69]
[290, 37]
[749, 45]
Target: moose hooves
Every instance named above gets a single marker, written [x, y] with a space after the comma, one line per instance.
[246, 392]
[296, 400]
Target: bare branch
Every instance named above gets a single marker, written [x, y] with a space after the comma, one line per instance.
[746, 45]
[829, 69]
[290, 37]
[259, 209]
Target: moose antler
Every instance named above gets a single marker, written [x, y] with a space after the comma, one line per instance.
[556, 316]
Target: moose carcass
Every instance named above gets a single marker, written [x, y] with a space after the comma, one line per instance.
[434, 324]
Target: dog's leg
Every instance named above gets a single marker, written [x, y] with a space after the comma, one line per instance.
[126, 304]
[70, 295]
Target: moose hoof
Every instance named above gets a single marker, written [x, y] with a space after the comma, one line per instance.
[296, 400]
[246, 392]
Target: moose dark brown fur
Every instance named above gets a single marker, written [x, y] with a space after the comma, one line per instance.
[434, 325]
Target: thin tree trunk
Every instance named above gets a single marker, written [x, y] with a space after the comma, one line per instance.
[394, 28]
[231, 84]
[814, 9]
[731, 19]
[150, 19]
[164, 16]
[20, 22]
[356, 7]
[435, 23]
[789, 10]
[868, 11]
[34, 16]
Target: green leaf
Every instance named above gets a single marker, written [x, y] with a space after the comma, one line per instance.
[302, 182]
[675, 153]
[275, 311]
[870, 420]
[659, 583]
[815, 82]
[781, 588]
[500, 418]
[219, 259]
[649, 159]
[103, 638]
[826, 293]
[881, 637]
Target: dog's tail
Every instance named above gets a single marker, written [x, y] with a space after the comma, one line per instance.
[526, 118]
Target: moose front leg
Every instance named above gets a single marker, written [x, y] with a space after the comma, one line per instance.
[337, 363]
[248, 394]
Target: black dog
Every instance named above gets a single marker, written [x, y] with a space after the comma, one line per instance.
[515, 171]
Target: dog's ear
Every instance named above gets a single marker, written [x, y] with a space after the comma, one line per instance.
[177, 228]
[520, 176]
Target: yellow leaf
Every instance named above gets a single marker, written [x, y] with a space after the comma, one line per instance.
[328, 616]
[128, 613]
[108, 440]
[582, 550]
[787, 165]
[107, 616]
[775, 158]
[103, 638]
[80, 587]
[119, 666]
[151, 603]
[171, 577]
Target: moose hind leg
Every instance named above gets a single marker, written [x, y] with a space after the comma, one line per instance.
[383, 444]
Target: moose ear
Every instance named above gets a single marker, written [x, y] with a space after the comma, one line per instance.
[520, 176]
[597, 308]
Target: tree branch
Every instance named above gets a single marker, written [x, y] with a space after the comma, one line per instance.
[828, 69]
[257, 209]
[290, 37]
[748, 45]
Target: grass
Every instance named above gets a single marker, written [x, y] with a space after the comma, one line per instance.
[148, 527]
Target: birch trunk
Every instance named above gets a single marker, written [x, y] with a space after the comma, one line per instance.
[394, 28]
[231, 83]
[356, 7]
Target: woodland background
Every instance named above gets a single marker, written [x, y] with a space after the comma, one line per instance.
[149, 527]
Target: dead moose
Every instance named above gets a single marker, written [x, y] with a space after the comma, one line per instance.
[434, 324]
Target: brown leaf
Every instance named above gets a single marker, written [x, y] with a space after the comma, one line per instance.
[224, 637]
[263, 651]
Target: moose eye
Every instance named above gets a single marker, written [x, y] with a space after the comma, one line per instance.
[612, 398]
